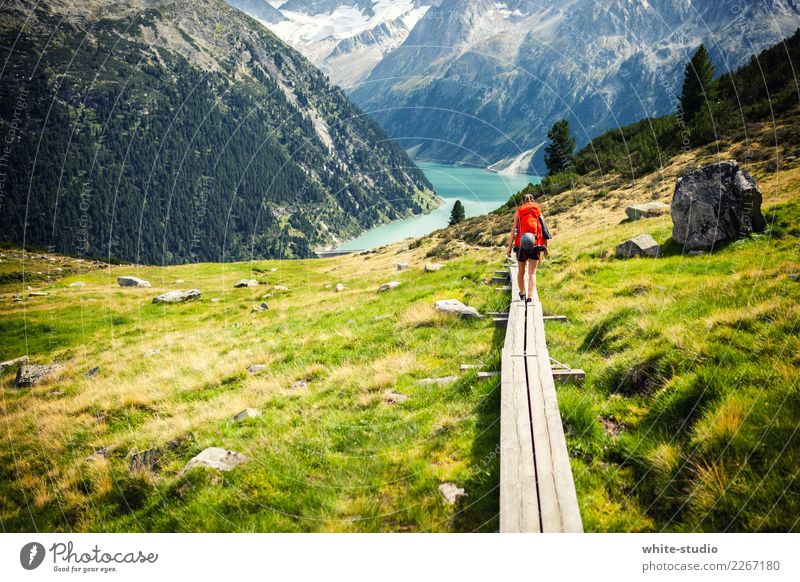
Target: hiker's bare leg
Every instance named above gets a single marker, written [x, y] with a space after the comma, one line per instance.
[532, 276]
[521, 276]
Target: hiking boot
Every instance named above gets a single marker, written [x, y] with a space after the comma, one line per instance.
[522, 296]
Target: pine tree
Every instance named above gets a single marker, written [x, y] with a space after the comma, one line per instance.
[457, 214]
[558, 155]
[698, 83]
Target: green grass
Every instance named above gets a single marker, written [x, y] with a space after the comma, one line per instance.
[687, 421]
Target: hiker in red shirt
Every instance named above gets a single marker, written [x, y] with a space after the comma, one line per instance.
[529, 241]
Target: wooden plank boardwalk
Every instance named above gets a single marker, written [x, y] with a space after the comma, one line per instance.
[537, 492]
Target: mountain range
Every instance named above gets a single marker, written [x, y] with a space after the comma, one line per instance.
[163, 131]
[481, 81]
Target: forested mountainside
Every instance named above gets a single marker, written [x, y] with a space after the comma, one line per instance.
[481, 81]
[163, 131]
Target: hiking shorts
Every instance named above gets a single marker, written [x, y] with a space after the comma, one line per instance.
[524, 254]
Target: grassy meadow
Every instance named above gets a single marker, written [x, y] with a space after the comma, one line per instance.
[687, 421]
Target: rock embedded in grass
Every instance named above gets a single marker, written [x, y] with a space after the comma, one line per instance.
[177, 296]
[455, 307]
[256, 368]
[260, 308]
[246, 283]
[646, 210]
[93, 372]
[77, 284]
[714, 204]
[451, 493]
[388, 286]
[642, 245]
[128, 281]
[216, 458]
[245, 414]
[14, 362]
[391, 397]
[339, 288]
[402, 266]
[281, 288]
[433, 267]
[297, 384]
[31, 374]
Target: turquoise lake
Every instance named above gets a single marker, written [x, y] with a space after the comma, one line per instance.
[479, 190]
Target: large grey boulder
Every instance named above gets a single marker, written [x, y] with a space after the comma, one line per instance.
[642, 245]
[32, 374]
[216, 458]
[455, 307]
[127, 281]
[646, 210]
[715, 204]
[246, 283]
[177, 296]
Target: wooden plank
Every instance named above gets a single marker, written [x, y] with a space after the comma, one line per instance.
[576, 376]
[519, 504]
[558, 318]
[500, 321]
[569, 518]
[502, 273]
[499, 280]
[465, 367]
[488, 374]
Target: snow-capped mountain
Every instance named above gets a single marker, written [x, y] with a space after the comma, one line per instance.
[345, 38]
[481, 81]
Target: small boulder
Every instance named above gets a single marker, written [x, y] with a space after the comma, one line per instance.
[339, 288]
[455, 307]
[215, 458]
[433, 267]
[297, 384]
[388, 286]
[256, 368]
[178, 282]
[32, 374]
[642, 245]
[402, 266]
[390, 397]
[451, 493]
[714, 204]
[279, 288]
[259, 308]
[77, 284]
[14, 362]
[246, 283]
[37, 294]
[646, 210]
[93, 372]
[177, 296]
[216, 299]
[128, 281]
[245, 414]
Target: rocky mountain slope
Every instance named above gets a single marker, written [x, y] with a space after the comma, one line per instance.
[481, 81]
[345, 38]
[161, 131]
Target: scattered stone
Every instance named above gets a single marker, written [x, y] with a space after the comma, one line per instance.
[32, 374]
[14, 362]
[714, 204]
[178, 281]
[642, 245]
[77, 284]
[390, 397]
[216, 299]
[93, 372]
[298, 384]
[273, 269]
[37, 294]
[402, 266]
[146, 460]
[259, 308]
[646, 210]
[216, 458]
[153, 352]
[245, 414]
[246, 283]
[256, 368]
[439, 381]
[388, 286]
[451, 493]
[132, 282]
[177, 296]
[380, 317]
[455, 307]
[433, 267]
[279, 288]
[339, 288]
